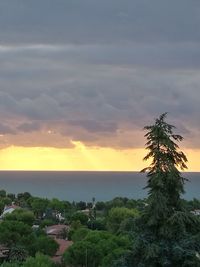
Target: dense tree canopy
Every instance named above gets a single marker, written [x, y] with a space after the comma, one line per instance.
[95, 248]
[21, 215]
[117, 215]
[40, 260]
[14, 232]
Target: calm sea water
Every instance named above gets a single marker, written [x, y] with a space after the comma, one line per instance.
[86, 185]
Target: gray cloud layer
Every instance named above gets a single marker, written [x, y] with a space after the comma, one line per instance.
[97, 71]
[94, 21]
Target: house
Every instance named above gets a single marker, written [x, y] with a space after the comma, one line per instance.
[8, 209]
[86, 211]
[60, 217]
[63, 246]
[4, 252]
[57, 231]
[196, 212]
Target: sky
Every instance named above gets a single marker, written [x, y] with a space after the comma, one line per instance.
[79, 79]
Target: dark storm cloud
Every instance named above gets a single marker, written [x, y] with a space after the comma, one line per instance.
[98, 71]
[94, 21]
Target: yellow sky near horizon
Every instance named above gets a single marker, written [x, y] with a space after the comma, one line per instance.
[81, 158]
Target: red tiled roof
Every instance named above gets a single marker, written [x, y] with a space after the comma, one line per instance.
[63, 245]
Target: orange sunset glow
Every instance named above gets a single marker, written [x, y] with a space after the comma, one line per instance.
[80, 158]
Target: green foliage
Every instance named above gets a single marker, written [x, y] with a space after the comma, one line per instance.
[116, 202]
[92, 247]
[67, 205]
[11, 264]
[18, 254]
[11, 196]
[7, 201]
[75, 225]
[112, 258]
[40, 260]
[83, 253]
[46, 222]
[4, 201]
[21, 215]
[24, 196]
[192, 204]
[104, 207]
[80, 216]
[117, 215]
[43, 244]
[98, 224]
[165, 182]
[79, 234]
[1, 206]
[18, 235]
[2, 193]
[38, 205]
[57, 205]
[81, 205]
[14, 232]
[100, 205]
[127, 226]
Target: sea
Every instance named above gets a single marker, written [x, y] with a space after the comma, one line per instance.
[82, 185]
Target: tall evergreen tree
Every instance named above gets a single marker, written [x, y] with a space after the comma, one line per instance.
[165, 182]
[166, 234]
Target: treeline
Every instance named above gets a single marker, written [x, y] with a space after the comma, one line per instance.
[43, 205]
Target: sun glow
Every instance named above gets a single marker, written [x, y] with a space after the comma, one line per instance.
[79, 158]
